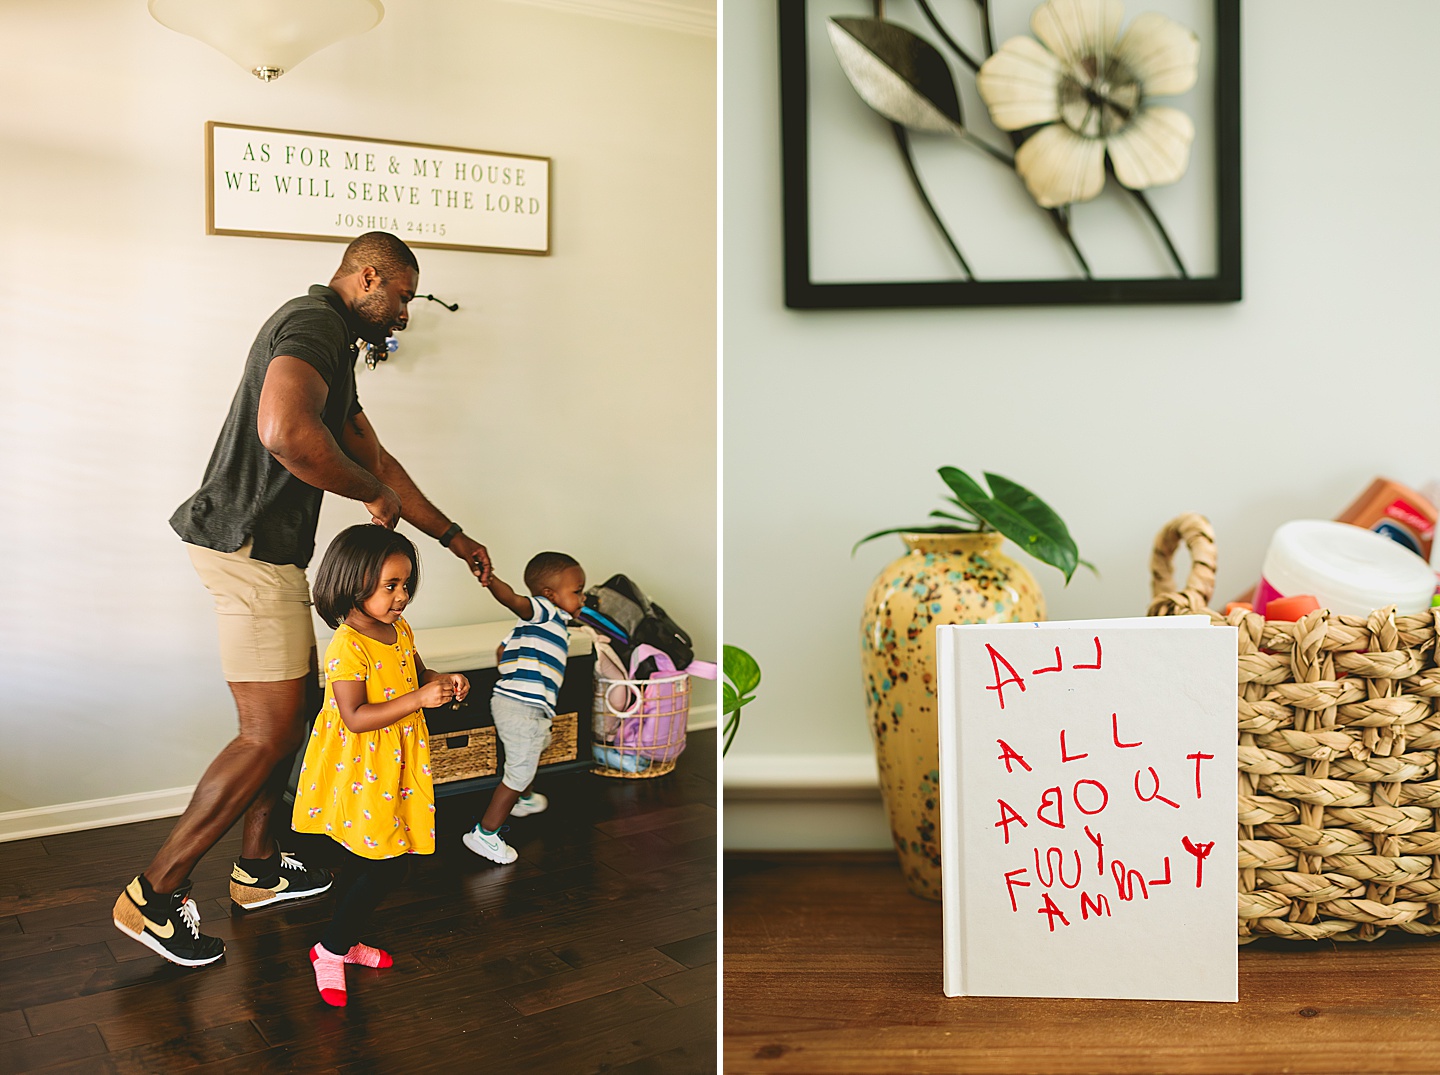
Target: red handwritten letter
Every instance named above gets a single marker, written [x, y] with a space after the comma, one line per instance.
[1008, 817]
[1011, 885]
[996, 660]
[1115, 730]
[1197, 758]
[1099, 843]
[1055, 867]
[1201, 852]
[1064, 754]
[1051, 798]
[1125, 882]
[1059, 665]
[1101, 905]
[1049, 908]
[1007, 754]
[1097, 657]
[1104, 796]
[1151, 798]
[1166, 879]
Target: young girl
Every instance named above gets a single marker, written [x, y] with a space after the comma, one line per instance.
[365, 781]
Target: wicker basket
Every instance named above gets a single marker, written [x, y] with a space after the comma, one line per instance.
[1338, 733]
[471, 752]
[463, 754]
[564, 739]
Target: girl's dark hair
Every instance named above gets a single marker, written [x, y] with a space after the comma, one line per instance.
[349, 571]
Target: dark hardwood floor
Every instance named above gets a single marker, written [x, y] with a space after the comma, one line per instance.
[833, 968]
[594, 952]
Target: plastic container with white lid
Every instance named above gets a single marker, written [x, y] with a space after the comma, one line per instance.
[1349, 570]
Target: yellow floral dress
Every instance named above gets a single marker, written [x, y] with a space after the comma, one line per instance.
[369, 791]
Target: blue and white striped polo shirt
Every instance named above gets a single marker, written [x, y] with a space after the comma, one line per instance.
[532, 665]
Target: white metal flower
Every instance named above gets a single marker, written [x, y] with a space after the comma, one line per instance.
[1091, 96]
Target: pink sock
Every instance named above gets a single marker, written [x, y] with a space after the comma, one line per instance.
[329, 975]
[368, 957]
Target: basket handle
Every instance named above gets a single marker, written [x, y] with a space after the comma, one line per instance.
[1199, 537]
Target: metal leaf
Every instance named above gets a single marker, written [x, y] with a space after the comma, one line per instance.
[898, 74]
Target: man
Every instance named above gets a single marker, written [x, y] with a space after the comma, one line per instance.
[295, 429]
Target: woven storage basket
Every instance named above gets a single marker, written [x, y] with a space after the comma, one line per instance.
[463, 754]
[564, 739]
[472, 752]
[1338, 733]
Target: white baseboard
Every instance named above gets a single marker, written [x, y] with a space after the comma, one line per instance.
[93, 813]
[148, 805]
[815, 802]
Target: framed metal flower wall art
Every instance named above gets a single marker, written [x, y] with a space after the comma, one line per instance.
[1010, 152]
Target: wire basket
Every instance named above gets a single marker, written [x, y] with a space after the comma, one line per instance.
[1338, 733]
[639, 725]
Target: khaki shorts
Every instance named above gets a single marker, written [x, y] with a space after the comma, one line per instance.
[524, 731]
[266, 634]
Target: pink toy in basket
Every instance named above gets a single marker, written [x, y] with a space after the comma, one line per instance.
[658, 733]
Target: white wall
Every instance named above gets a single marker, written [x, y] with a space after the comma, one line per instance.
[126, 328]
[1283, 406]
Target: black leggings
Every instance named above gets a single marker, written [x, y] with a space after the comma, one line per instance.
[363, 884]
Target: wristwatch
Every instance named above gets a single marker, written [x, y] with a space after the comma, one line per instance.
[449, 535]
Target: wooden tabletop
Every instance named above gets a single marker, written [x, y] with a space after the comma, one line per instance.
[831, 966]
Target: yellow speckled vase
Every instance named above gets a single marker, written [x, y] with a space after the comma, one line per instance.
[943, 578]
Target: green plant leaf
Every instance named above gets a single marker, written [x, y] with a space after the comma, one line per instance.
[743, 671]
[731, 700]
[1019, 515]
[956, 502]
[968, 492]
[1041, 516]
[945, 529]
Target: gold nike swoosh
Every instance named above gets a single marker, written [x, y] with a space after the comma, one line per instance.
[283, 885]
[165, 932]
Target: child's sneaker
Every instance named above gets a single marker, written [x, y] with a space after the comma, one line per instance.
[534, 803]
[290, 879]
[490, 846]
[168, 925]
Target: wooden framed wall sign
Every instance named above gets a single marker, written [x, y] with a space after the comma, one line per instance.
[303, 185]
[1010, 152]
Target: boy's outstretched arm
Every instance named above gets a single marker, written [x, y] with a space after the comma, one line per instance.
[516, 602]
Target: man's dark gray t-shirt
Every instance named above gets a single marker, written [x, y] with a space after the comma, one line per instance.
[246, 493]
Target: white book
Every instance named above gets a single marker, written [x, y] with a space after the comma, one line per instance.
[1087, 809]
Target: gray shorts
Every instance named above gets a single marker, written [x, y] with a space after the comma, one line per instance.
[524, 731]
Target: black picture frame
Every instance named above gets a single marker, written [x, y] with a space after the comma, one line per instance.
[803, 293]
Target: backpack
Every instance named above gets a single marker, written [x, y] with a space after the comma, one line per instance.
[619, 608]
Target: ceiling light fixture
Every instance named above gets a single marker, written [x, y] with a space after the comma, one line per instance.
[268, 37]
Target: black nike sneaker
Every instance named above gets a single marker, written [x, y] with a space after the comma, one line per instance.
[290, 879]
[168, 925]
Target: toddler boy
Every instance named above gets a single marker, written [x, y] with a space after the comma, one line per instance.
[532, 667]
